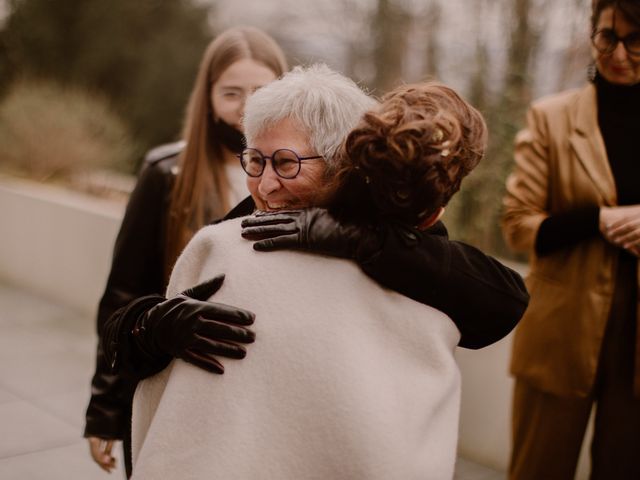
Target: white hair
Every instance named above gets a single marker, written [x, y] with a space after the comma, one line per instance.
[326, 104]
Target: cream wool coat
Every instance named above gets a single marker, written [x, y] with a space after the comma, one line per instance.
[346, 380]
[561, 164]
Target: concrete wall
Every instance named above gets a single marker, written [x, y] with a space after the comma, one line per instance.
[485, 414]
[486, 404]
[58, 244]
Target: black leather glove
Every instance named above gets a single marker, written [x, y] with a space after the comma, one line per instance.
[313, 229]
[193, 329]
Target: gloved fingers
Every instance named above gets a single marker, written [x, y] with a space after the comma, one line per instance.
[276, 243]
[268, 231]
[284, 214]
[225, 313]
[292, 212]
[206, 289]
[270, 218]
[208, 346]
[223, 331]
[204, 361]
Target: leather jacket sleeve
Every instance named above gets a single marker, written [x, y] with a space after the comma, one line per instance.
[136, 271]
[119, 354]
[484, 298]
[123, 358]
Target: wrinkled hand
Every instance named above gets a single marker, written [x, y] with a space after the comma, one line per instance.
[101, 453]
[195, 330]
[313, 229]
[621, 227]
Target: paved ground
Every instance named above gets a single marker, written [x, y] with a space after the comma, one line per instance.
[46, 362]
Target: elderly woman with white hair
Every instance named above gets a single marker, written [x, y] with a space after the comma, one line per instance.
[348, 380]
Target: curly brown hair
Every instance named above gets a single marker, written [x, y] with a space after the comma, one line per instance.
[409, 155]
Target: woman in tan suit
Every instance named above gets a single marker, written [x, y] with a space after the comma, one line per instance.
[573, 203]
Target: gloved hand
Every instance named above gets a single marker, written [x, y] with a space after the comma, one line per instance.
[313, 229]
[195, 330]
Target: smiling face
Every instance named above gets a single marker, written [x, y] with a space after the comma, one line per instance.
[617, 67]
[234, 85]
[271, 192]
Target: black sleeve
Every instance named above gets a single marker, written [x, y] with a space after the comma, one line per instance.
[122, 353]
[484, 298]
[136, 270]
[567, 229]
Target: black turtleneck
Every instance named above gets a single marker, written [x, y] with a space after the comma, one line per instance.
[619, 122]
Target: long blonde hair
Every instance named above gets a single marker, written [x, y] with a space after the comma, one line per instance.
[199, 193]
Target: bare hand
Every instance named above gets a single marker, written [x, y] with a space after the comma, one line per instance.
[101, 453]
[621, 227]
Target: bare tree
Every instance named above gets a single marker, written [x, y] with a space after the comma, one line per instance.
[433, 21]
[478, 89]
[577, 52]
[476, 213]
[337, 32]
[390, 25]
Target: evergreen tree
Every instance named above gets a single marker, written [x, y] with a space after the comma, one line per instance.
[142, 54]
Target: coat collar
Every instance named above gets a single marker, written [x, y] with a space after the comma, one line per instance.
[586, 140]
[245, 207]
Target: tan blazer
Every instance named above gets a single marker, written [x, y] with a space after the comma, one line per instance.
[561, 164]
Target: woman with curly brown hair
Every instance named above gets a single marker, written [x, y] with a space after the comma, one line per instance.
[407, 158]
[400, 167]
[348, 379]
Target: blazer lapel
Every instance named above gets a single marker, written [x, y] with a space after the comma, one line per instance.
[586, 140]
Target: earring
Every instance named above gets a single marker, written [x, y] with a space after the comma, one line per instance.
[591, 71]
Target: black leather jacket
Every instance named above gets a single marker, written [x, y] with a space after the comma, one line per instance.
[483, 297]
[136, 270]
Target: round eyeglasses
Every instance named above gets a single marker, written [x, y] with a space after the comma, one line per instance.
[286, 163]
[606, 41]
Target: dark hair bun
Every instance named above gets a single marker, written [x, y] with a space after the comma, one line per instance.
[415, 148]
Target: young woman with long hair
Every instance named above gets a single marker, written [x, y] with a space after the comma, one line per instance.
[182, 187]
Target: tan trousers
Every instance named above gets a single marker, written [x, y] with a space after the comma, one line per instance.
[548, 430]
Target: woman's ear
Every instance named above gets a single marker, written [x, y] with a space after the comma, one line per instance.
[431, 219]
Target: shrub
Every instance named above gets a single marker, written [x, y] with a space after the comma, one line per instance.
[48, 132]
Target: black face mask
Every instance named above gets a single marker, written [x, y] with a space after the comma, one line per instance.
[229, 136]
